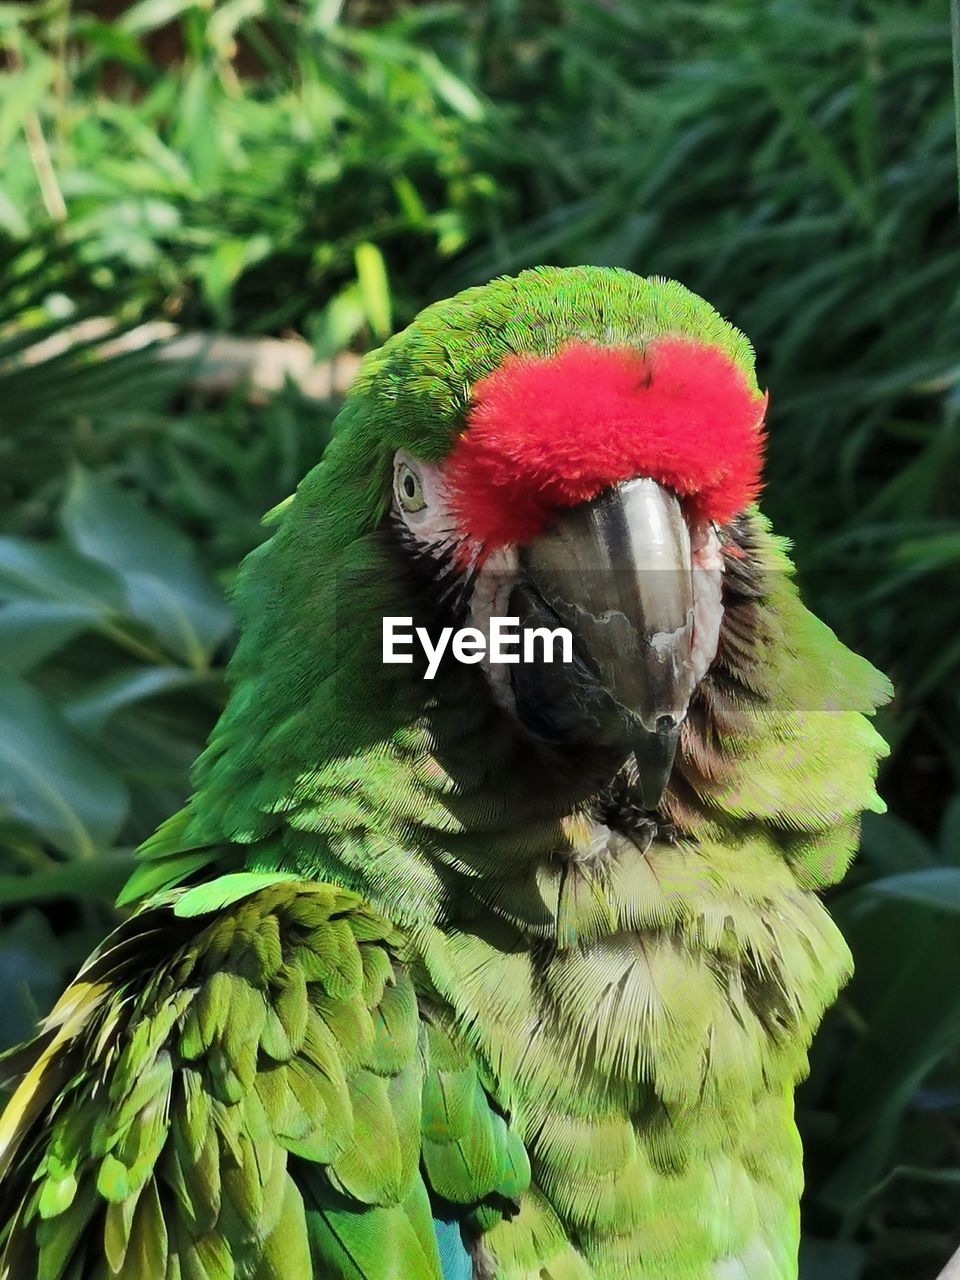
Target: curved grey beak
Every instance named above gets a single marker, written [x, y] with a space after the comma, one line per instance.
[617, 571]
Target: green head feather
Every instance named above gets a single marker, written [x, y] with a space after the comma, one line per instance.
[309, 685]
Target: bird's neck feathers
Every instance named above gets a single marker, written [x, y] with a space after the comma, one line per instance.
[332, 763]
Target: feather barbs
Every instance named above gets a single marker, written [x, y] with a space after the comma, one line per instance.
[553, 431]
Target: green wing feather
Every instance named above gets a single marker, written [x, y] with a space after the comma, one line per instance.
[469, 1151]
[239, 1084]
[230, 1088]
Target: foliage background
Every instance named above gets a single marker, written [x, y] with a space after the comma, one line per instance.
[323, 169]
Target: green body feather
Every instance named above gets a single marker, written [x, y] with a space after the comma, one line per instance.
[418, 973]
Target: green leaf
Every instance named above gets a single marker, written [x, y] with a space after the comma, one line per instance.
[51, 779]
[340, 321]
[165, 587]
[30, 976]
[148, 15]
[32, 570]
[227, 18]
[111, 41]
[32, 630]
[907, 1001]
[950, 832]
[90, 710]
[101, 879]
[890, 845]
[455, 92]
[24, 91]
[374, 289]
[937, 888]
[224, 267]
[12, 15]
[935, 552]
[830, 1259]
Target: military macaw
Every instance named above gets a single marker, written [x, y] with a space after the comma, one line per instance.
[510, 973]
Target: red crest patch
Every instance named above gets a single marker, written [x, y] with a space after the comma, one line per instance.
[553, 431]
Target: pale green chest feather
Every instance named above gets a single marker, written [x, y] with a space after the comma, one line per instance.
[648, 1060]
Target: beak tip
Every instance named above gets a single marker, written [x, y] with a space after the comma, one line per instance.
[654, 754]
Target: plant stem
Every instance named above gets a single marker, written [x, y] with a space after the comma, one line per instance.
[53, 200]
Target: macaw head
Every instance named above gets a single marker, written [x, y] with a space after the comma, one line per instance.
[588, 488]
[578, 449]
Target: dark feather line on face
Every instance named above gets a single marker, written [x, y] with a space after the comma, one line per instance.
[731, 689]
[446, 582]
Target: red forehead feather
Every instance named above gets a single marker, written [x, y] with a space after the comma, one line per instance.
[553, 431]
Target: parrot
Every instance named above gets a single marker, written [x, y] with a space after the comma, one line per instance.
[509, 973]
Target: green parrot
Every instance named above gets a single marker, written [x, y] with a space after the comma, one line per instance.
[467, 960]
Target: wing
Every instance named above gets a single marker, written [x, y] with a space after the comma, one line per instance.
[231, 1088]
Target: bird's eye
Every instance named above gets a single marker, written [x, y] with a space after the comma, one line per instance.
[409, 489]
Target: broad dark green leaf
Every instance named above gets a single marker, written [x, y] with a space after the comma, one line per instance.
[950, 833]
[100, 880]
[90, 710]
[830, 1260]
[908, 1000]
[890, 845]
[30, 976]
[937, 888]
[34, 570]
[32, 630]
[166, 589]
[51, 779]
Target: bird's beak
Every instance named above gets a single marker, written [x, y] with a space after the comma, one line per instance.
[617, 572]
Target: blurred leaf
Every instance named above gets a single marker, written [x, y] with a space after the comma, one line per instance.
[815, 141]
[830, 1260]
[890, 845]
[224, 266]
[148, 15]
[101, 879]
[32, 630]
[936, 887]
[950, 832]
[13, 14]
[166, 589]
[374, 289]
[24, 91]
[909, 1000]
[111, 41]
[451, 89]
[44, 571]
[30, 976]
[930, 553]
[226, 19]
[51, 779]
[340, 322]
[91, 710]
